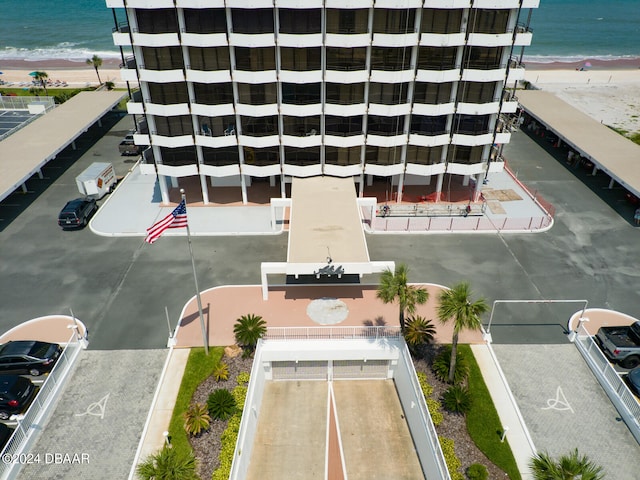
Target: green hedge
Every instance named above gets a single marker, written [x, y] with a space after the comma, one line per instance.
[483, 423]
[199, 367]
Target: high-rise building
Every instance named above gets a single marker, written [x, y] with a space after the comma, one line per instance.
[405, 91]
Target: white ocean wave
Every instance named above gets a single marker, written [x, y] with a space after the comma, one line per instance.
[576, 58]
[64, 51]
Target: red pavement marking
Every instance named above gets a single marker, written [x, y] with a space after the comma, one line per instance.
[286, 307]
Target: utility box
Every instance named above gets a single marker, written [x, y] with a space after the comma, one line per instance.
[97, 180]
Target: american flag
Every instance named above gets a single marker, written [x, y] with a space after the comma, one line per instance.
[176, 219]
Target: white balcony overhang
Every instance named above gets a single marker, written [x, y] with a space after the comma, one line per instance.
[150, 4]
[472, 140]
[342, 170]
[383, 170]
[167, 110]
[394, 40]
[302, 171]
[344, 142]
[495, 167]
[496, 4]
[121, 39]
[215, 76]
[261, 170]
[141, 139]
[302, 142]
[504, 137]
[266, 76]
[155, 39]
[476, 75]
[252, 41]
[434, 110]
[442, 39]
[348, 4]
[345, 110]
[386, 141]
[161, 76]
[398, 4]
[299, 4]
[301, 110]
[340, 76]
[428, 140]
[300, 41]
[425, 170]
[172, 142]
[204, 39]
[135, 108]
[465, 169]
[212, 110]
[489, 40]
[257, 110]
[129, 74]
[216, 142]
[291, 76]
[438, 76]
[347, 41]
[401, 76]
[478, 108]
[200, 3]
[516, 73]
[389, 110]
[220, 171]
[181, 171]
[509, 107]
[259, 142]
[523, 39]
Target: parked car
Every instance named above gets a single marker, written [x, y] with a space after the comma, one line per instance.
[16, 394]
[76, 213]
[621, 344]
[633, 379]
[5, 435]
[28, 357]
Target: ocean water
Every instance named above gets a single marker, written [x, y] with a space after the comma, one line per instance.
[563, 30]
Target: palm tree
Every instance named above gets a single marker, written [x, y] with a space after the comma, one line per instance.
[456, 304]
[168, 464]
[95, 62]
[248, 330]
[42, 78]
[393, 287]
[567, 467]
[419, 330]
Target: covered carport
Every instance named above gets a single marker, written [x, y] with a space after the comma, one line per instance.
[326, 237]
[26, 151]
[609, 151]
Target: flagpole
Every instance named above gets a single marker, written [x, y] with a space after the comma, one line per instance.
[205, 337]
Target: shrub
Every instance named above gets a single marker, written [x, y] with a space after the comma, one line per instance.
[442, 362]
[221, 372]
[434, 407]
[196, 419]
[168, 464]
[450, 457]
[239, 395]
[248, 330]
[477, 471]
[457, 399]
[419, 330]
[424, 384]
[221, 404]
[243, 378]
[228, 444]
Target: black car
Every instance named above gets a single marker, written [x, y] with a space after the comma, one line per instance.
[16, 394]
[633, 379]
[76, 213]
[28, 357]
[5, 435]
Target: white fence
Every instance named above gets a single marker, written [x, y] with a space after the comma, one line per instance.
[615, 388]
[328, 333]
[38, 413]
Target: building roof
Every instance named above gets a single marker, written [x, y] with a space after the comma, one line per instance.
[616, 155]
[325, 222]
[26, 151]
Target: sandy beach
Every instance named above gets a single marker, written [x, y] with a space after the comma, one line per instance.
[607, 90]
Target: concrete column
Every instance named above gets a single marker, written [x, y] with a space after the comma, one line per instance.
[400, 187]
[594, 171]
[465, 181]
[243, 186]
[164, 191]
[478, 188]
[283, 186]
[611, 183]
[205, 190]
[439, 186]
[272, 180]
[40, 176]
[174, 182]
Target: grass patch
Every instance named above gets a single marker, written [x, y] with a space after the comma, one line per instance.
[199, 367]
[483, 423]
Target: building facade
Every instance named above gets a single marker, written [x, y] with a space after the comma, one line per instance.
[404, 91]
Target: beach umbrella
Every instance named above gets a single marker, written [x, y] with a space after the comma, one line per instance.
[587, 64]
[33, 74]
